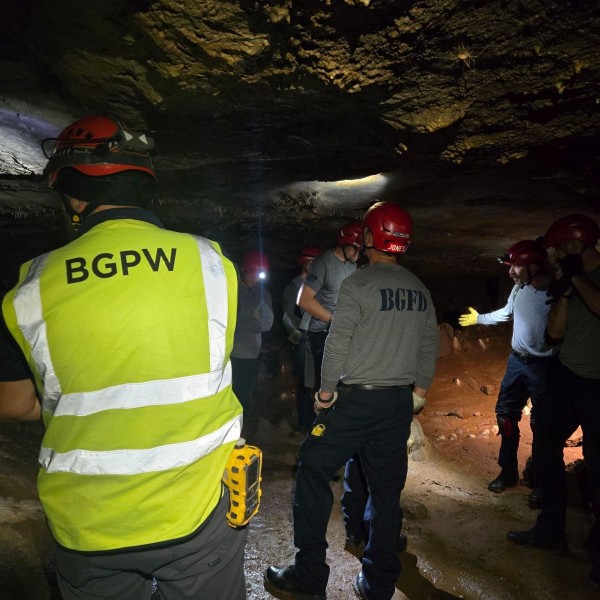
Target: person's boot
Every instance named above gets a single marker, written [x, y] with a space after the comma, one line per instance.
[503, 481]
[353, 541]
[279, 580]
[533, 537]
[528, 475]
[358, 585]
[535, 499]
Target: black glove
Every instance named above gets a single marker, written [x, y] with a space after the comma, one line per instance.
[557, 288]
[571, 265]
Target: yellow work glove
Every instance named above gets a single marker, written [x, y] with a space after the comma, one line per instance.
[468, 319]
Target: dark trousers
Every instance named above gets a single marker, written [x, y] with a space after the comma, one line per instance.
[573, 401]
[208, 565]
[317, 346]
[376, 425]
[356, 502]
[355, 499]
[304, 400]
[244, 372]
[522, 380]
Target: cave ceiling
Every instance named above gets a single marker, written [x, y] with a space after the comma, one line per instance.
[276, 121]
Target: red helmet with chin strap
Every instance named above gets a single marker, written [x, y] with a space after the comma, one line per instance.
[350, 234]
[98, 146]
[390, 225]
[307, 255]
[525, 252]
[256, 264]
[572, 227]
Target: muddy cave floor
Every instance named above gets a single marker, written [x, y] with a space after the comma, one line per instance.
[456, 528]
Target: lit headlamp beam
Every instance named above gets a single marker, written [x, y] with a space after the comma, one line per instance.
[347, 193]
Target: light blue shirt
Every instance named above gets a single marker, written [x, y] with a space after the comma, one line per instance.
[528, 308]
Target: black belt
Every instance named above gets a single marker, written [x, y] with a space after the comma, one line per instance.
[529, 358]
[320, 332]
[370, 386]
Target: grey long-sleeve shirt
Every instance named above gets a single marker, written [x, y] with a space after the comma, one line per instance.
[384, 331]
[527, 307]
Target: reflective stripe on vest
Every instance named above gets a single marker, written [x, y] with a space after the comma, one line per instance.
[28, 309]
[149, 393]
[134, 462]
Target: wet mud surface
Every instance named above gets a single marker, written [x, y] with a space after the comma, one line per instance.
[456, 528]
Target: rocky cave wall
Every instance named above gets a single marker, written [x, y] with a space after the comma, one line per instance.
[480, 117]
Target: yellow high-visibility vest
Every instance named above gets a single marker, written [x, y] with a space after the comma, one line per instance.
[128, 331]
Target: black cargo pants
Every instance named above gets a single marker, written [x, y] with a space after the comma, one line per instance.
[376, 424]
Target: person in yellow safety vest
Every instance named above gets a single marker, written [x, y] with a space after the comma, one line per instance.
[121, 341]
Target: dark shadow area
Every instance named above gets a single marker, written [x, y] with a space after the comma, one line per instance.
[411, 581]
[416, 587]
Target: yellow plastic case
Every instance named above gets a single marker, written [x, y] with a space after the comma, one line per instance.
[242, 476]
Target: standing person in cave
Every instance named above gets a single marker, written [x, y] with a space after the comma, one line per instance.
[292, 317]
[380, 352]
[318, 298]
[120, 341]
[574, 398]
[255, 317]
[319, 292]
[531, 360]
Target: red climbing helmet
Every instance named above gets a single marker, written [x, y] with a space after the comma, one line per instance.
[256, 264]
[307, 255]
[350, 234]
[390, 225]
[98, 146]
[572, 227]
[525, 252]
